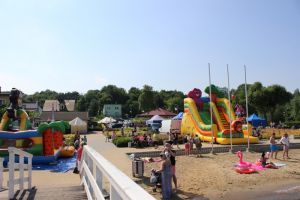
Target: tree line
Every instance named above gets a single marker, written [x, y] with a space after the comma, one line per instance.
[273, 102]
[134, 101]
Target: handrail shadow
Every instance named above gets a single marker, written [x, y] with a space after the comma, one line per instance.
[20, 196]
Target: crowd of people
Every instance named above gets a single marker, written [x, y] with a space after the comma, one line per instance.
[189, 142]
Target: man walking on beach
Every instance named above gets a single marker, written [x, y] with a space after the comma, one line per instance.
[273, 146]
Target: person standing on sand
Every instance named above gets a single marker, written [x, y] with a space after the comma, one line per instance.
[198, 145]
[186, 145]
[166, 176]
[78, 159]
[273, 146]
[155, 140]
[286, 144]
[175, 140]
[106, 136]
[170, 153]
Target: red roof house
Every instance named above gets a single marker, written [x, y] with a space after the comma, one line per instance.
[159, 111]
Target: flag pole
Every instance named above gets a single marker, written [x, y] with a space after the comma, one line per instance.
[211, 112]
[246, 95]
[229, 109]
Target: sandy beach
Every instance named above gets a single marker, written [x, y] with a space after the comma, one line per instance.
[209, 177]
[214, 177]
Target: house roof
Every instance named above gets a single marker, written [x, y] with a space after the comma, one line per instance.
[49, 103]
[159, 111]
[66, 116]
[70, 105]
[30, 106]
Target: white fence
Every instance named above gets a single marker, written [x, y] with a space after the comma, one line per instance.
[1, 173]
[94, 167]
[12, 165]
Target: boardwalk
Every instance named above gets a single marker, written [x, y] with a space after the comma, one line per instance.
[49, 185]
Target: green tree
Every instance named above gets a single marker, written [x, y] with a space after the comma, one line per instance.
[276, 96]
[81, 104]
[40, 97]
[158, 100]
[293, 108]
[175, 104]
[240, 97]
[134, 93]
[116, 95]
[215, 90]
[94, 108]
[257, 98]
[146, 99]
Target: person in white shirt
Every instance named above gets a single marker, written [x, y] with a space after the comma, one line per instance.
[286, 143]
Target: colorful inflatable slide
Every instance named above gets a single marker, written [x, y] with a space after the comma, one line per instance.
[197, 119]
[45, 144]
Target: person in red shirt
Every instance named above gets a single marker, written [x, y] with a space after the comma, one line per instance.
[78, 159]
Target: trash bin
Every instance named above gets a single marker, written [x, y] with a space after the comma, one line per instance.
[129, 144]
[137, 168]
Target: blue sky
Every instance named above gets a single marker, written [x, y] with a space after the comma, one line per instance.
[68, 45]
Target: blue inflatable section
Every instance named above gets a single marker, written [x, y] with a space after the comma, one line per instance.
[49, 163]
[63, 165]
[19, 134]
[35, 160]
[205, 99]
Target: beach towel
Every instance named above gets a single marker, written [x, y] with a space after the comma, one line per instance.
[279, 164]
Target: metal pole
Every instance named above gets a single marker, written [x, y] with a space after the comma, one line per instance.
[211, 112]
[229, 109]
[53, 119]
[246, 96]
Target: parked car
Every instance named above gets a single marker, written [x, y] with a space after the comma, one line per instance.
[116, 125]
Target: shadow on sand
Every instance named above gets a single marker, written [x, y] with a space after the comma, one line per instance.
[175, 196]
[28, 194]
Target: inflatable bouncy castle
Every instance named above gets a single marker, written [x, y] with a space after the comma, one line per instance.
[197, 118]
[45, 143]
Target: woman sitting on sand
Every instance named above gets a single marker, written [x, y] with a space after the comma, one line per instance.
[263, 160]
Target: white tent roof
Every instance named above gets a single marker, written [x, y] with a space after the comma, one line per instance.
[77, 122]
[156, 118]
[107, 120]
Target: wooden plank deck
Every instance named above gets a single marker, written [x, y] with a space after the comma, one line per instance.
[49, 185]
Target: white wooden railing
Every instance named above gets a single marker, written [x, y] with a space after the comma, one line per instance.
[1, 173]
[94, 167]
[12, 165]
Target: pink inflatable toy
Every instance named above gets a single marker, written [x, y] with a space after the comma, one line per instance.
[242, 163]
[246, 167]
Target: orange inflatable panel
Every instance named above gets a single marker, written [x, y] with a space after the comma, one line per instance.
[67, 151]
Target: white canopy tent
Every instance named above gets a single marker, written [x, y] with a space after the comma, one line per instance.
[79, 125]
[107, 120]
